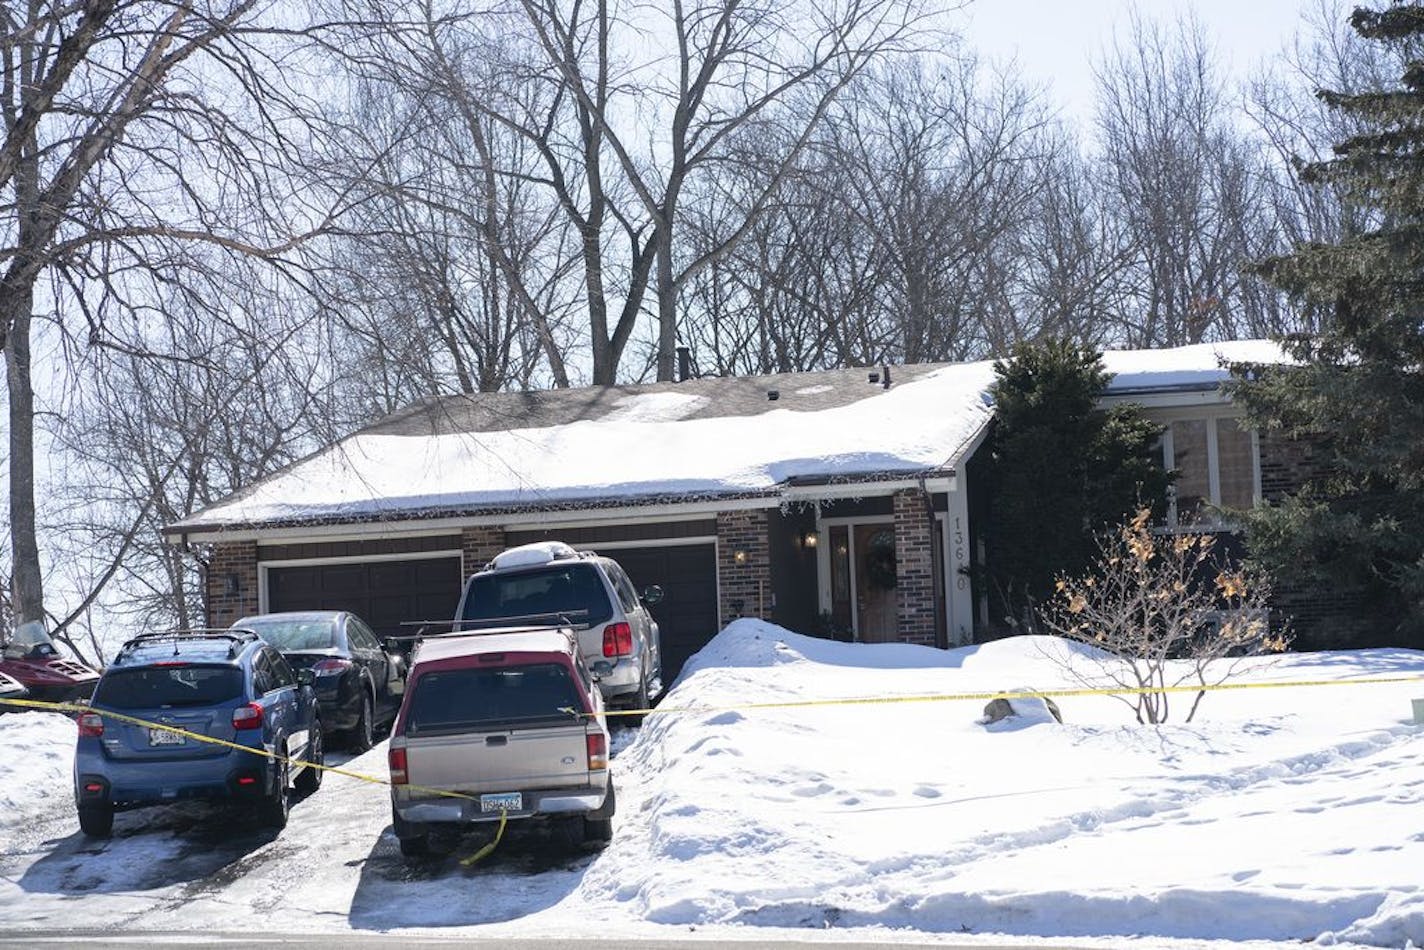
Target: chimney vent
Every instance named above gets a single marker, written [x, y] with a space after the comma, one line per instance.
[885, 379]
[684, 363]
[773, 395]
[873, 377]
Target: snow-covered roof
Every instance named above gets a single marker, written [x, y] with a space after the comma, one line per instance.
[718, 438]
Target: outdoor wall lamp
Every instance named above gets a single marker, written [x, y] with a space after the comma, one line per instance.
[739, 556]
[230, 583]
[810, 540]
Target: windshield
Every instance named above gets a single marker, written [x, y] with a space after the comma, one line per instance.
[168, 686]
[30, 634]
[560, 588]
[295, 635]
[449, 700]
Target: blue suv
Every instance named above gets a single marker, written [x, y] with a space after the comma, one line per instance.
[229, 685]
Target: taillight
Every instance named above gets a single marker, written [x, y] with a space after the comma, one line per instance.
[617, 639]
[91, 724]
[396, 757]
[597, 751]
[247, 717]
[335, 664]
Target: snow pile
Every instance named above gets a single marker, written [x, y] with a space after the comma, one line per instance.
[1279, 815]
[38, 749]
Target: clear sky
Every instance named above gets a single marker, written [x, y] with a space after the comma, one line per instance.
[1055, 41]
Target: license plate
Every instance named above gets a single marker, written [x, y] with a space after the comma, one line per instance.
[502, 801]
[164, 737]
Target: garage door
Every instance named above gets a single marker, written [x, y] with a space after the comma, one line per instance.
[383, 593]
[687, 616]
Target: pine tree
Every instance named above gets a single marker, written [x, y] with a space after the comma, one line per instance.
[1060, 469]
[1358, 395]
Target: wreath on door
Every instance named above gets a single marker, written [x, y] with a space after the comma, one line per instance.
[880, 568]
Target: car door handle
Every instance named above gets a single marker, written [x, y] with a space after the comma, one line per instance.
[496, 740]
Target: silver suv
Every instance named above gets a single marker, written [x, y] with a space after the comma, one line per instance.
[503, 724]
[551, 582]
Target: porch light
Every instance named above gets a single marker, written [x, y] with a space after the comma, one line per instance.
[739, 556]
[810, 540]
[230, 584]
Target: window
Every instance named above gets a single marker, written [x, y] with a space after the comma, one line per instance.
[1215, 462]
[361, 636]
[576, 589]
[493, 697]
[282, 675]
[627, 596]
[168, 687]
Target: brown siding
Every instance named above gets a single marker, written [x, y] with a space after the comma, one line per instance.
[370, 548]
[652, 531]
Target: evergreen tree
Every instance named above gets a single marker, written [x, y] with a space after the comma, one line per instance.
[1358, 395]
[1060, 469]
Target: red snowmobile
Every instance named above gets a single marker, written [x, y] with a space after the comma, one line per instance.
[30, 657]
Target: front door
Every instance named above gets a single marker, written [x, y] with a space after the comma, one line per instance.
[862, 579]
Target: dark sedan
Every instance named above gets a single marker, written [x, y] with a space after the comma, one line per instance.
[358, 682]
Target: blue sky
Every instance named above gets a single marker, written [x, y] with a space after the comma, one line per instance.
[1055, 41]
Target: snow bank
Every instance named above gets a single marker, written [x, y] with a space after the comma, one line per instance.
[1281, 815]
[38, 752]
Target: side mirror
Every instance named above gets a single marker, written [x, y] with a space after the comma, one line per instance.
[305, 677]
[652, 594]
[391, 645]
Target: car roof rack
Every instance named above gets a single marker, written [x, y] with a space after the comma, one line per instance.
[545, 621]
[236, 636]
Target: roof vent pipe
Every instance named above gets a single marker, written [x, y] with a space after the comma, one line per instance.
[885, 376]
[684, 363]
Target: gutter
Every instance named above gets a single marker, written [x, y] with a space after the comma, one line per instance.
[799, 490]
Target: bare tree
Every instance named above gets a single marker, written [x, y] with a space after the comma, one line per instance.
[152, 441]
[455, 275]
[1163, 612]
[120, 153]
[1186, 181]
[727, 66]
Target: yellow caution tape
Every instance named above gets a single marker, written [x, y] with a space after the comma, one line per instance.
[1006, 694]
[489, 848]
[211, 740]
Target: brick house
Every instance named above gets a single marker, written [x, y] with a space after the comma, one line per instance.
[838, 503]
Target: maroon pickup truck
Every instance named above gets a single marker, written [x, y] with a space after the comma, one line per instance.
[512, 721]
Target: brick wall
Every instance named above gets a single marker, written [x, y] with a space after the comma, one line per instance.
[914, 568]
[744, 585]
[230, 582]
[1287, 464]
[478, 546]
[1322, 616]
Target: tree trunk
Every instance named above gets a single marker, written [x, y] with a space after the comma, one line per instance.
[24, 545]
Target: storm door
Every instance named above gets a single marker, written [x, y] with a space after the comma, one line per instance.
[859, 580]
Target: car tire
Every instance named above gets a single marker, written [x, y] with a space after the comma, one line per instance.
[638, 700]
[96, 821]
[310, 779]
[276, 807]
[598, 825]
[362, 735]
[414, 839]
